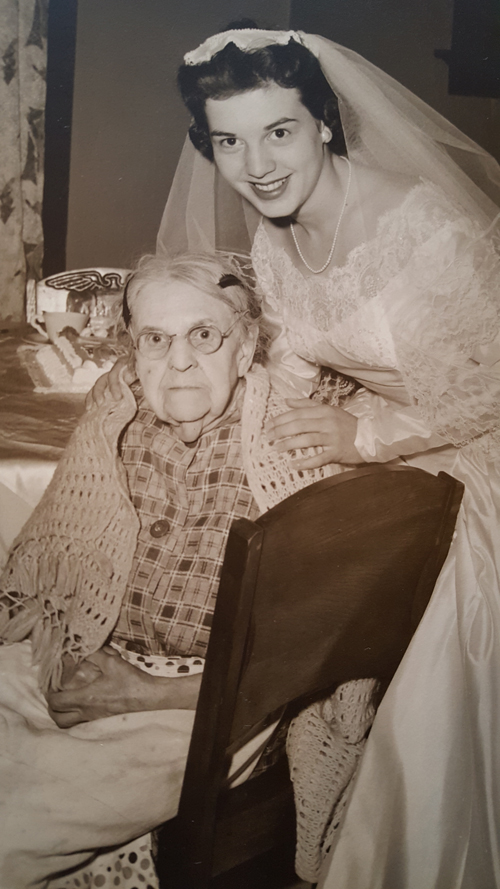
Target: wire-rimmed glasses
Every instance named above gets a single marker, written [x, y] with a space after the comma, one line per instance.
[205, 338]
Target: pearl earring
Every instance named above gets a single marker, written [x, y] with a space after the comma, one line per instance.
[326, 134]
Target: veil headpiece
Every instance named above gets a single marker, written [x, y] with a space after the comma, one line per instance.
[385, 127]
[246, 39]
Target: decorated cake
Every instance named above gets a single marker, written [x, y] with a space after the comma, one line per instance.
[66, 365]
[95, 292]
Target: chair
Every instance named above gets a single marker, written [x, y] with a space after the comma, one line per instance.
[327, 586]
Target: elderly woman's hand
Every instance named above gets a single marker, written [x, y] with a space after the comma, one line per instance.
[108, 385]
[331, 430]
[106, 685]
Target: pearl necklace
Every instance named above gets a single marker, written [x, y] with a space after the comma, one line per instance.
[334, 243]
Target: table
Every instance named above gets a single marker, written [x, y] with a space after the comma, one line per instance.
[34, 430]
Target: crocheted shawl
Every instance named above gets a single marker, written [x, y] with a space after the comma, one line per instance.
[68, 568]
[67, 572]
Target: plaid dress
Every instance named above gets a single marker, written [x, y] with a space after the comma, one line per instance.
[186, 497]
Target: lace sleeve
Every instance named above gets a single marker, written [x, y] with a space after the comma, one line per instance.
[443, 311]
[292, 375]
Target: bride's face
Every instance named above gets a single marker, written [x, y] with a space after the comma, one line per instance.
[269, 147]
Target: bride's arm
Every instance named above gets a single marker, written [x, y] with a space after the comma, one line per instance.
[385, 432]
[366, 430]
[290, 374]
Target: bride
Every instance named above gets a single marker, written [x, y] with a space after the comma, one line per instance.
[373, 232]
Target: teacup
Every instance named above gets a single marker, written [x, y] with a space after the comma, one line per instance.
[55, 322]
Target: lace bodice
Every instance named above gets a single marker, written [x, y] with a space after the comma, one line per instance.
[347, 306]
[415, 302]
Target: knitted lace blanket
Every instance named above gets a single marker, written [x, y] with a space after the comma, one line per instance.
[324, 745]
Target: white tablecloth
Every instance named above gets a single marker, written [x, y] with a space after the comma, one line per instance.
[22, 483]
[34, 430]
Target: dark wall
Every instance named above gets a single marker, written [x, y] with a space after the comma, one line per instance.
[61, 48]
[128, 122]
[400, 36]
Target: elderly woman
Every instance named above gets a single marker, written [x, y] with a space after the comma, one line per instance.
[113, 580]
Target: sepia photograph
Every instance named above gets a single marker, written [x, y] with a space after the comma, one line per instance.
[249, 444]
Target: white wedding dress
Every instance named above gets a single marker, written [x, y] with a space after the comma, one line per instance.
[408, 316]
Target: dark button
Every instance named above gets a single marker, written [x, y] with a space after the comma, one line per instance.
[159, 528]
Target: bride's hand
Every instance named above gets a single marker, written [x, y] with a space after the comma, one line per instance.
[311, 425]
[108, 385]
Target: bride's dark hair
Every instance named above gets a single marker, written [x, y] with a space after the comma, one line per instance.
[232, 71]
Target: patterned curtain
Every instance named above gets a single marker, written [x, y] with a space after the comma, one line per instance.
[23, 59]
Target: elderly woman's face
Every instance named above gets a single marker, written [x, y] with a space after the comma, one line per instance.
[188, 388]
[269, 147]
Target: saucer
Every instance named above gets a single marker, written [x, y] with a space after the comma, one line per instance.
[38, 339]
[35, 339]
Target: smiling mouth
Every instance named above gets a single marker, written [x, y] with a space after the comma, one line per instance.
[270, 187]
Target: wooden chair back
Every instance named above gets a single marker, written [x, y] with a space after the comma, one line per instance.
[328, 586]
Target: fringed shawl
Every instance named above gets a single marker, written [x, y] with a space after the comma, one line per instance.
[67, 572]
[68, 568]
